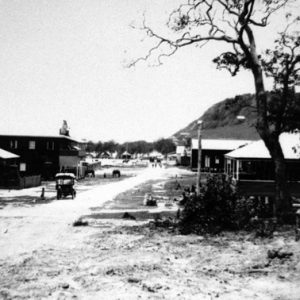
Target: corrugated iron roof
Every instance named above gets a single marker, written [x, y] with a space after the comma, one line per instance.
[219, 144]
[7, 155]
[290, 144]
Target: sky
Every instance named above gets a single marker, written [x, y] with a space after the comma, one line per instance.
[66, 60]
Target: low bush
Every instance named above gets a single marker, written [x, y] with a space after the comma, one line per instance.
[219, 208]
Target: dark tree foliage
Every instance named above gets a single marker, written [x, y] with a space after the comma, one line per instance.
[212, 211]
[164, 146]
[219, 208]
[90, 147]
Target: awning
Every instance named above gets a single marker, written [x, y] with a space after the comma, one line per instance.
[7, 155]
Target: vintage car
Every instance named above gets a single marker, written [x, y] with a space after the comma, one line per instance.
[65, 185]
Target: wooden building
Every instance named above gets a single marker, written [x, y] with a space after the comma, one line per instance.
[9, 169]
[252, 171]
[183, 155]
[44, 155]
[212, 153]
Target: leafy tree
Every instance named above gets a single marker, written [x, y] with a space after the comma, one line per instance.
[109, 146]
[212, 211]
[164, 146]
[90, 146]
[233, 23]
[99, 147]
[139, 147]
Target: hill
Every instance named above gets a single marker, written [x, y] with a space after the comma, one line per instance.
[220, 120]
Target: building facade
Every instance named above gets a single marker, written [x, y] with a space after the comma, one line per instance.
[44, 155]
[251, 169]
[212, 153]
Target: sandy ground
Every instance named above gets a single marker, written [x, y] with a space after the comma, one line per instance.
[44, 257]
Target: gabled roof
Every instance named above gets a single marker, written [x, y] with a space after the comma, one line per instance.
[126, 153]
[105, 153]
[219, 144]
[155, 153]
[7, 155]
[290, 144]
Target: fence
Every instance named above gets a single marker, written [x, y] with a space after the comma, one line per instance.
[29, 181]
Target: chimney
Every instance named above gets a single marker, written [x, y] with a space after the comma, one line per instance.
[64, 130]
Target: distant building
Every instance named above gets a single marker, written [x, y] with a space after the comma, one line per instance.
[252, 170]
[44, 155]
[105, 154]
[172, 159]
[183, 155]
[126, 155]
[212, 153]
[155, 156]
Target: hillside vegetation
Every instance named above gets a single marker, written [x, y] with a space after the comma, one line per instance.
[220, 120]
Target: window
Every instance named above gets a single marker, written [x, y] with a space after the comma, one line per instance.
[207, 161]
[13, 144]
[50, 145]
[22, 167]
[217, 160]
[31, 145]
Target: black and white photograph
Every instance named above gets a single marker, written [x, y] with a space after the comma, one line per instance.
[150, 149]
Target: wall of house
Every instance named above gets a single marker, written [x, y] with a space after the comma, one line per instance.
[263, 169]
[68, 161]
[38, 155]
[9, 172]
[211, 160]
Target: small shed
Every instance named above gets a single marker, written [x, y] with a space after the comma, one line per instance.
[126, 155]
[183, 155]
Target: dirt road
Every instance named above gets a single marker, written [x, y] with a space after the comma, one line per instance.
[44, 257]
[24, 229]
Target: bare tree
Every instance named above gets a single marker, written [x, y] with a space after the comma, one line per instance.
[232, 22]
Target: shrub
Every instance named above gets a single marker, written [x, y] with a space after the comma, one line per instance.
[219, 208]
[212, 211]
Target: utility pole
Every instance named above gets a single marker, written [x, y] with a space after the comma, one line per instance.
[199, 158]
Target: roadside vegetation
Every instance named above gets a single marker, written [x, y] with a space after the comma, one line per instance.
[177, 207]
[219, 208]
[162, 145]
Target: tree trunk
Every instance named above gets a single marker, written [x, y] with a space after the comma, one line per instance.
[282, 205]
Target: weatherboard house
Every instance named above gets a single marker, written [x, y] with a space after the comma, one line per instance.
[9, 168]
[43, 155]
[212, 153]
[251, 169]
